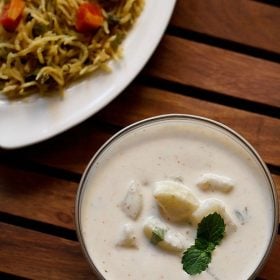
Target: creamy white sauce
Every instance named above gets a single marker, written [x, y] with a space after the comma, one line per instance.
[174, 150]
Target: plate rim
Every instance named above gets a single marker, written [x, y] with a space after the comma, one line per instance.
[92, 110]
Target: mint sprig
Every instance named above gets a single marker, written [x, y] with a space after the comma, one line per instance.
[210, 233]
[195, 260]
[211, 228]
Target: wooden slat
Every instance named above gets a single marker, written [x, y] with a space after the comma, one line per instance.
[43, 198]
[271, 269]
[276, 179]
[215, 69]
[242, 21]
[80, 143]
[71, 150]
[37, 197]
[141, 102]
[35, 255]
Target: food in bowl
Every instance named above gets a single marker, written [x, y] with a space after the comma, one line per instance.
[176, 197]
[47, 44]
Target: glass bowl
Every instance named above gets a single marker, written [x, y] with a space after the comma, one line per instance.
[144, 138]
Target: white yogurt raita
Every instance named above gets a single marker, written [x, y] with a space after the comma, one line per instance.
[181, 149]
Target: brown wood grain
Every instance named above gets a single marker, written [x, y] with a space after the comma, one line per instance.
[276, 179]
[51, 200]
[271, 269]
[210, 68]
[80, 143]
[43, 198]
[141, 102]
[37, 197]
[72, 150]
[36, 255]
[246, 22]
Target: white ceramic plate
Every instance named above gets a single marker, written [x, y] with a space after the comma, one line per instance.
[26, 122]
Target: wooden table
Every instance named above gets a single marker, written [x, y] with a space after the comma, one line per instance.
[218, 59]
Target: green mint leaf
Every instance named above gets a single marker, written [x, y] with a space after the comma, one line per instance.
[195, 260]
[203, 244]
[157, 235]
[211, 228]
[210, 232]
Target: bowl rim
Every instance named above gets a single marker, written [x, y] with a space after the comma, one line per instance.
[172, 117]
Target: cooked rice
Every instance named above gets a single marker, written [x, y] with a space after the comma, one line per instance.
[46, 52]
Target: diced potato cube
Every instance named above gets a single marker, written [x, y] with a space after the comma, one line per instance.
[176, 200]
[127, 237]
[132, 203]
[159, 234]
[211, 205]
[214, 182]
[174, 241]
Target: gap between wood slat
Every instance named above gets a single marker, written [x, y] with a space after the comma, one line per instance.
[37, 197]
[14, 158]
[223, 43]
[34, 158]
[210, 96]
[216, 70]
[8, 276]
[246, 22]
[274, 169]
[21, 159]
[275, 3]
[62, 259]
[143, 102]
[38, 226]
[45, 227]
[36, 255]
[27, 165]
[48, 221]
